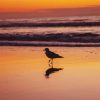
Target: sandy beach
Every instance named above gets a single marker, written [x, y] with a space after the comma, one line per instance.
[22, 74]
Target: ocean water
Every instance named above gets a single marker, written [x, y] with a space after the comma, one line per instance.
[29, 26]
[25, 29]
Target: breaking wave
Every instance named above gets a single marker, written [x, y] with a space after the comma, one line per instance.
[60, 39]
[44, 24]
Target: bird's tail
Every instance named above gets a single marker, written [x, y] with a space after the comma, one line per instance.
[61, 57]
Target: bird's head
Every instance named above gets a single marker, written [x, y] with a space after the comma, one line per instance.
[46, 49]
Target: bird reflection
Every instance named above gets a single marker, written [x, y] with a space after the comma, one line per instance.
[51, 70]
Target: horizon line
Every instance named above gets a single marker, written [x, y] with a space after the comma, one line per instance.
[48, 9]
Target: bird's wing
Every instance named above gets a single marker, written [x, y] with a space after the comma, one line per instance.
[55, 54]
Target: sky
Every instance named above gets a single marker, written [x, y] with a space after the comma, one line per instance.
[25, 6]
[29, 5]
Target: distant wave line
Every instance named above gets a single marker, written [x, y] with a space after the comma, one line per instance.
[60, 24]
[36, 43]
[59, 37]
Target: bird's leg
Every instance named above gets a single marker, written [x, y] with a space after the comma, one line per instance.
[49, 62]
[52, 62]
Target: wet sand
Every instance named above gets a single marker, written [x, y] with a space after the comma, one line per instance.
[22, 74]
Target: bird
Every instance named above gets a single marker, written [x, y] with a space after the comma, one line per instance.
[52, 56]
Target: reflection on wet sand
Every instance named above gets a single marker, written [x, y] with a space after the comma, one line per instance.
[49, 71]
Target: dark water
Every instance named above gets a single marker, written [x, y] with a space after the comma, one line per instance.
[51, 25]
[62, 29]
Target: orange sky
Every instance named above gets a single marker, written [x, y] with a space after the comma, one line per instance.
[29, 5]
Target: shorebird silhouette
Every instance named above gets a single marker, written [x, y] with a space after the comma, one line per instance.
[51, 55]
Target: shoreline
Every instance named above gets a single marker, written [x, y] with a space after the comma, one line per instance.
[53, 44]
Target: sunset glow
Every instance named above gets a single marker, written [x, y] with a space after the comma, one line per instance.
[30, 5]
